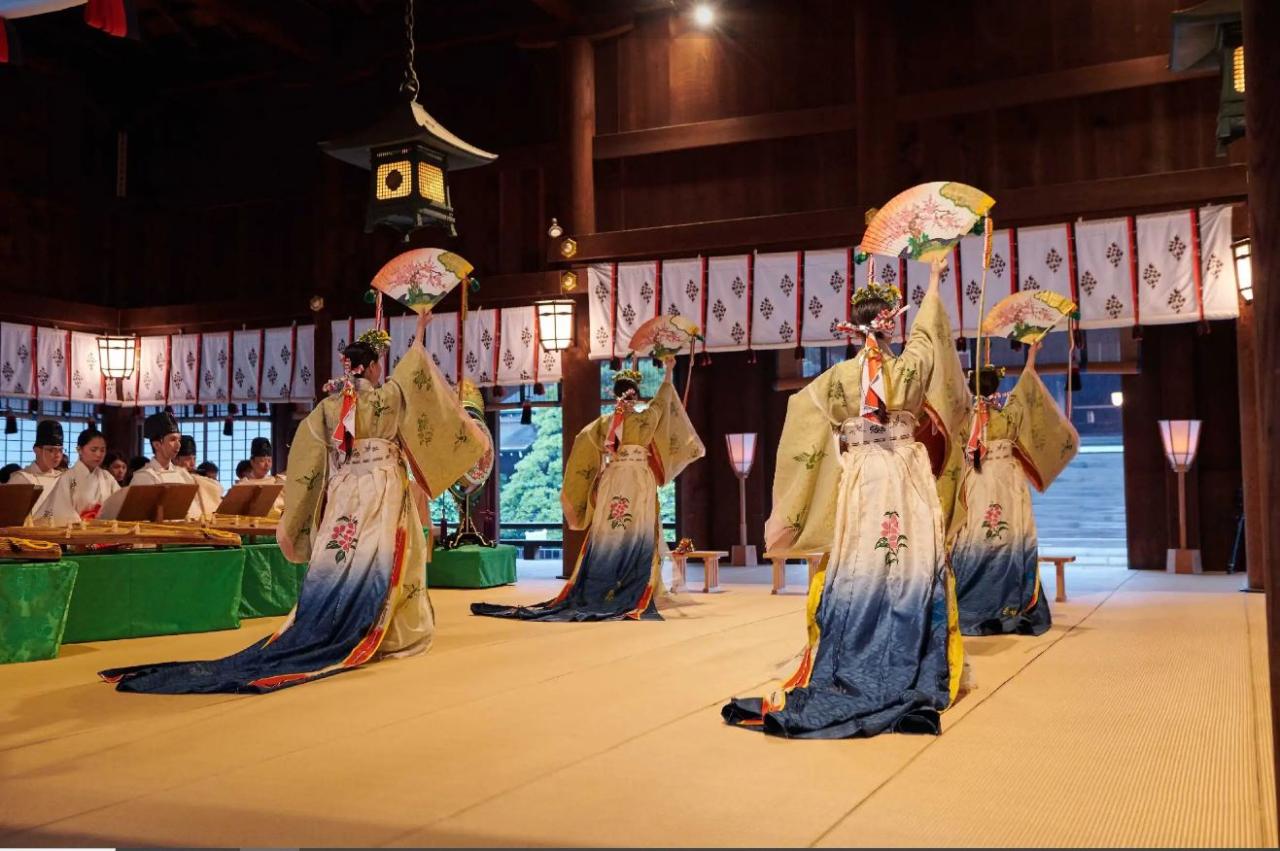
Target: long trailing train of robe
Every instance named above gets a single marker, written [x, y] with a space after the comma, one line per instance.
[884, 649]
[364, 595]
[992, 538]
[614, 495]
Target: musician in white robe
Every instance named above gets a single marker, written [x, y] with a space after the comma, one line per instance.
[162, 430]
[260, 461]
[209, 496]
[44, 470]
[79, 493]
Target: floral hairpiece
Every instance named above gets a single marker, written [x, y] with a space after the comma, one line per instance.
[376, 339]
[878, 292]
[628, 375]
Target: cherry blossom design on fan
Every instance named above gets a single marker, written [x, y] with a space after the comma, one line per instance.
[1151, 276]
[738, 287]
[1177, 247]
[1053, 260]
[766, 308]
[1114, 255]
[787, 285]
[1088, 283]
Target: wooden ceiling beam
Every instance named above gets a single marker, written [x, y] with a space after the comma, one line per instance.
[1038, 88]
[844, 226]
[724, 131]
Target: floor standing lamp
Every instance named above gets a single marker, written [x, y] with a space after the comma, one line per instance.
[1181, 440]
[742, 454]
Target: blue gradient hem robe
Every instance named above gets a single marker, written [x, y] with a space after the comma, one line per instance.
[364, 595]
[994, 551]
[615, 497]
[884, 651]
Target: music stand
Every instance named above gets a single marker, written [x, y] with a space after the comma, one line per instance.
[149, 503]
[16, 502]
[250, 500]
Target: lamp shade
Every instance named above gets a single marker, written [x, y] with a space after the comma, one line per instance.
[118, 355]
[1117, 398]
[555, 323]
[1181, 440]
[742, 452]
[1240, 252]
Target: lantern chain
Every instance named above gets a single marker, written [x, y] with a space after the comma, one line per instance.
[410, 84]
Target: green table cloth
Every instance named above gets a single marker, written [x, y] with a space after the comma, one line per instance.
[154, 592]
[472, 567]
[271, 582]
[34, 598]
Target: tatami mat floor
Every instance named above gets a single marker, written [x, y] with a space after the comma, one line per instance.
[1139, 719]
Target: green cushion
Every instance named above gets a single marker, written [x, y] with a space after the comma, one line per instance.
[472, 567]
[34, 598]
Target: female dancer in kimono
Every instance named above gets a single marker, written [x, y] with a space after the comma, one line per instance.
[349, 513]
[79, 493]
[610, 488]
[884, 653]
[993, 531]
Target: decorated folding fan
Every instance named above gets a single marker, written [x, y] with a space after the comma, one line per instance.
[665, 335]
[926, 221]
[1027, 316]
[420, 278]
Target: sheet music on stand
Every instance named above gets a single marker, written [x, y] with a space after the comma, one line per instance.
[149, 502]
[16, 502]
[250, 500]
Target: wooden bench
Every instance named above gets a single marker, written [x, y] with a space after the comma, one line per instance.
[710, 574]
[1060, 563]
[779, 558]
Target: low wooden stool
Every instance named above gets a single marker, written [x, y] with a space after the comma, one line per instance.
[779, 558]
[710, 573]
[1059, 563]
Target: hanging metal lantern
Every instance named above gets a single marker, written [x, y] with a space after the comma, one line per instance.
[117, 355]
[409, 156]
[1208, 35]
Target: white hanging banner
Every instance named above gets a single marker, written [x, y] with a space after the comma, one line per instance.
[918, 283]
[549, 366]
[776, 297]
[87, 381]
[1044, 260]
[887, 270]
[125, 391]
[152, 384]
[53, 362]
[600, 298]
[215, 368]
[341, 337]
[1106, 274]
[637, 302]
[682, 289]
[303, 388]
[402, 328]
[479, 358]
[441, 342]
[826, 296]
[184, 363]
[727, 304]
[277, 364]
[999, 277]
[1218, 268]
[517, 358]
[246, 347]
[1167, 273]
[17, 360]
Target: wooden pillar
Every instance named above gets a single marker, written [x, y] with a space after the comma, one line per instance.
[579, 405]
[1262, 116]
[579, 109]
[1250, 451]
[120, 428]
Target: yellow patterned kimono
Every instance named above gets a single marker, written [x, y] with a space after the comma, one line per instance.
[884, 650]
[992, 537]
[364, 595]
[614, 495]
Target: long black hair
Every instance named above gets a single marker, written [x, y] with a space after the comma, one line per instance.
[360, 355]
[622, 385]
